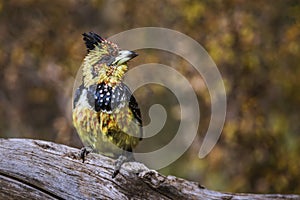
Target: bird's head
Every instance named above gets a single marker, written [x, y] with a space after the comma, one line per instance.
[105, 62]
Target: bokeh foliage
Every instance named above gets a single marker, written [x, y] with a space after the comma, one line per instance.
[255, 44]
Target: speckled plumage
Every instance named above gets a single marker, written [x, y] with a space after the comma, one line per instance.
[105, 113]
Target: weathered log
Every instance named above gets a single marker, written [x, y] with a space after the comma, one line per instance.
[34, 169]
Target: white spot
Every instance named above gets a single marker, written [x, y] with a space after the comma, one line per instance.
[107, 98]
[101, 95]
[101, 91]
[101, 100]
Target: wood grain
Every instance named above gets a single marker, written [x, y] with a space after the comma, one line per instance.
[34, 169]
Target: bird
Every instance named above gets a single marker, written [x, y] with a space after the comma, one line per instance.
[105, 113]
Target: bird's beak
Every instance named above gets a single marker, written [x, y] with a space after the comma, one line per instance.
[124, 56]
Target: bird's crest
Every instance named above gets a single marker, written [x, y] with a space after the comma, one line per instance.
[93, 40]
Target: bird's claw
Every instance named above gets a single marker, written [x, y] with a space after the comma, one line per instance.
[84, 152]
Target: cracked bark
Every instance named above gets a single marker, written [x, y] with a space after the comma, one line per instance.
[34, 169]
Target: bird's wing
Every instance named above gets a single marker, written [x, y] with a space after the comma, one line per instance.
[134, 107]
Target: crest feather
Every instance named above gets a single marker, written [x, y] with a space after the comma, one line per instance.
[92, 40]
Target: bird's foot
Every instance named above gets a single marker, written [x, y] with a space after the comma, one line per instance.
[81, 155]
[125, 157]
[84, 151]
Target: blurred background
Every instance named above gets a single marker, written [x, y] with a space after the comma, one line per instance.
[255, 44]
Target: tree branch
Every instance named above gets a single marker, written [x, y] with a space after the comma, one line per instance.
[34, 169]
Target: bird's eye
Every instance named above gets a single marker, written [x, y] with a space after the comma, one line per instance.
[108, 60]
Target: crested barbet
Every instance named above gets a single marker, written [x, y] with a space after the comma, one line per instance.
[105, 113]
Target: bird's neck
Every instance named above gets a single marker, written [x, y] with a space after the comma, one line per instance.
[96, 74]
[113, 76]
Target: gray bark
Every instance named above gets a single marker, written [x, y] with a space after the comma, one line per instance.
[34, 169]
